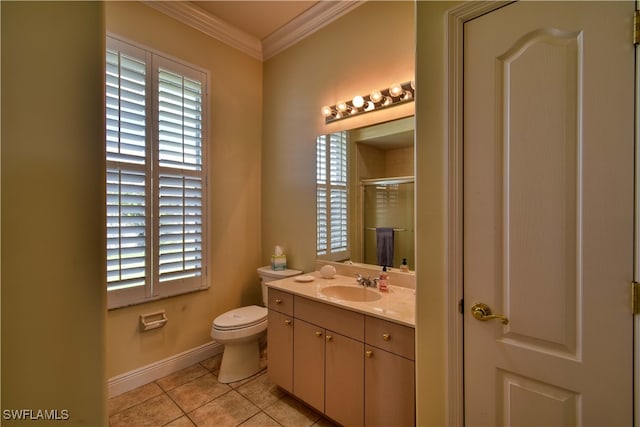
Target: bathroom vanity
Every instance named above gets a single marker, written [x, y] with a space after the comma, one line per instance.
[345, 350]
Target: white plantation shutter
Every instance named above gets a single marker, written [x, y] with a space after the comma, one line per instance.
[338, 191]
[332, 196]
[180, 186]
[180, 223]
[126, 229]
[155, 175]
[127, 184]
[322, 217]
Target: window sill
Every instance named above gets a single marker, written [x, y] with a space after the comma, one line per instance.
[117, 306]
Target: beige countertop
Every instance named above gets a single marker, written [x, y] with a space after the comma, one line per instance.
[396, 305]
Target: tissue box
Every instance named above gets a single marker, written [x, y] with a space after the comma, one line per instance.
[278, 262]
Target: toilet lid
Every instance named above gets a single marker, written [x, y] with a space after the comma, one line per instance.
[241, 317]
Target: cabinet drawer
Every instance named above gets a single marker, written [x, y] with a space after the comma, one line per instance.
[345, 322]
[280, 301]
[390, 336]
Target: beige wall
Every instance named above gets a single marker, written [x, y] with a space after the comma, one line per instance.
[53, 241]
[434, 360]
[367, 49]
[234, 192]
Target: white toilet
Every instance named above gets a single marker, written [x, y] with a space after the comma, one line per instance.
[241, 329]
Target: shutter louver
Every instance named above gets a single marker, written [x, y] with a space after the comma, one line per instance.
[125, 109]
[180, 221]
[321, 224]
[126, 229]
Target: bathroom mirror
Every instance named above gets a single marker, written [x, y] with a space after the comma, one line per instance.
[366, 211]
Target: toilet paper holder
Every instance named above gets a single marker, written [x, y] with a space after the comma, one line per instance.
[153, 320]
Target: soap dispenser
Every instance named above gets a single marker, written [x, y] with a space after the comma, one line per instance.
[404, 267]
[383, 281]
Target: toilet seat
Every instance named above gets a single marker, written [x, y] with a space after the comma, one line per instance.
[240, 318]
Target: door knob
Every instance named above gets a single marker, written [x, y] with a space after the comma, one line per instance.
[482, 312]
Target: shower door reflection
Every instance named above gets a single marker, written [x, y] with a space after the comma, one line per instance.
[388, 203]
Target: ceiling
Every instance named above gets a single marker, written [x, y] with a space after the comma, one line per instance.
[259, 28]
[258, 18]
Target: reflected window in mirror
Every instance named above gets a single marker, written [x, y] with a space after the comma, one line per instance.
[332, 240]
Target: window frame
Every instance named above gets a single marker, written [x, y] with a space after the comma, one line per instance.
[153, 288]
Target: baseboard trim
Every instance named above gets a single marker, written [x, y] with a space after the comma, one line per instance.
[146, 374]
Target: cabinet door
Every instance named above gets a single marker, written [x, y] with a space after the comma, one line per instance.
[389, 388]
[280, 349]
[344, 379]
[308, 363]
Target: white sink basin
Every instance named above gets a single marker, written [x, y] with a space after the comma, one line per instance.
[350, 293]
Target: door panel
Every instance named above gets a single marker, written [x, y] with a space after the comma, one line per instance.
[308, 363]
[280, 338]
[344, 359]
[548, 214]
[539, 188]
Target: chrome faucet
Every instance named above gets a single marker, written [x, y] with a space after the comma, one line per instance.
[366, 281]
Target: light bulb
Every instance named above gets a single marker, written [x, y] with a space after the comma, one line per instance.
[387, 101]
[327, 111]
[342, 106]
[376, 96]
[369, 106]
[358, 101]
[395, 90]
[406, 96]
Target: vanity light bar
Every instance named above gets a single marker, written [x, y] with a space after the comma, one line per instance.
[397, 93]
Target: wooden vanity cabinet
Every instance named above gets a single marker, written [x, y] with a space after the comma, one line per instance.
[328, 372]
[331, 380]
[280, 338]
[356, 369]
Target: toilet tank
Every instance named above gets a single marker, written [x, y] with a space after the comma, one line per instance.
[269, 275]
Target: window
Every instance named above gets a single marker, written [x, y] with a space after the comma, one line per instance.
[332, 196]
[156, 175]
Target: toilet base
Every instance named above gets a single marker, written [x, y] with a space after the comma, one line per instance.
[240, 360]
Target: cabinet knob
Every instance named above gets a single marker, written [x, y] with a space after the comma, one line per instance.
[318, 334]
[369, 353]
[278, 301]
[329, 338]
[386, 337]
[287, 322]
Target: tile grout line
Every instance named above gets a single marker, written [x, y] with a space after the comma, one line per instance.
[237, 387]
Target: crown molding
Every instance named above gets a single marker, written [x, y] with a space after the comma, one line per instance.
[212, 26]
[310, 21]
[305, 24]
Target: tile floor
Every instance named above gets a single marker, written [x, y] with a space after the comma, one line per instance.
[194, 397]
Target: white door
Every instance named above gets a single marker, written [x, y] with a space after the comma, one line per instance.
[548, 214]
